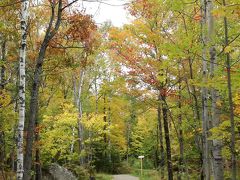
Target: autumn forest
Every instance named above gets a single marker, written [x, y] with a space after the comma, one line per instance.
[157, 98]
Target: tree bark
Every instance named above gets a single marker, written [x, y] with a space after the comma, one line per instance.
[161, 164]
[38, 170]
[218, 170]
[194, 94]
[128, 139]
[2, 86]
[20, 129]
[73, 140]
[130, 123]
[80, 126]
[78, 104]
[216, 146]
[181, 145]
[105, 119]
[205, 120]
[167, 136]
[109, 139]
[230, 99]
[3, 69]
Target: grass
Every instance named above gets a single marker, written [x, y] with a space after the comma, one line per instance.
[150, 174]
[156, 175]
[101, 176]
[147, 174]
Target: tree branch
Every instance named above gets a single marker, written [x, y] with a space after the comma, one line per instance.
[69, 4]
[230, 42]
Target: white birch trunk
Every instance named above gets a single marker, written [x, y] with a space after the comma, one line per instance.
[80, 126]
[78, 104]
[73, 140]
[24, 16]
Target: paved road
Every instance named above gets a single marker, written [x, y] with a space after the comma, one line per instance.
[124, 177]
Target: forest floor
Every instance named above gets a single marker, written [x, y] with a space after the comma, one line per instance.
[124, 177]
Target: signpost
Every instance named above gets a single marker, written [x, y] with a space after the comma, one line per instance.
[141, 159]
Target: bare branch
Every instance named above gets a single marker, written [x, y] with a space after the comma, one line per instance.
[102, 2]
[69, 4]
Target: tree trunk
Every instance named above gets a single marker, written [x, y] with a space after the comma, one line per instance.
[162, 154]
[50, 33]
[130, 124]
[38, 174]
[109, 139]
[38, 169]
[196, 112]
[104, 119]
[2, 150]
[2, 86]
[161, 163]
[230, 99]
[78, 104]
[205, 120]
[218, 170]
[205, 123]
[20, 129]
[194, 93]
[96, 94]
[3, 69]
[167, 137]
[217, 163]
[128, 139]
[181, 147]
[73, 140]
[32, 118]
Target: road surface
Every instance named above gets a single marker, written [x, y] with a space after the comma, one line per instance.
[124, 177]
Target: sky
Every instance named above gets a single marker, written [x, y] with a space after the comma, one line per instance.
[104, 12]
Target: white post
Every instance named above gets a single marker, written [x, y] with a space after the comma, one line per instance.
[141, 159]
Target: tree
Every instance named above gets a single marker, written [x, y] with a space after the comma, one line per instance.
[165, 86]
[230, 99]
[215, 96]
[51, 31]
[24, 18]
[205, 118]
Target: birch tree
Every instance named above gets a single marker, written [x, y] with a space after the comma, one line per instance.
[79, 106]
[24, 16]
[77, 90]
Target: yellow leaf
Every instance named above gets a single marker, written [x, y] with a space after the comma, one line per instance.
[220, 12]
[219, 103]
[227, 49]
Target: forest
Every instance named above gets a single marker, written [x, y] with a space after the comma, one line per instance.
[90, 100]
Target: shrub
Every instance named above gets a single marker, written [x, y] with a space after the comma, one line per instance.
[79, 171]
[121, 168]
